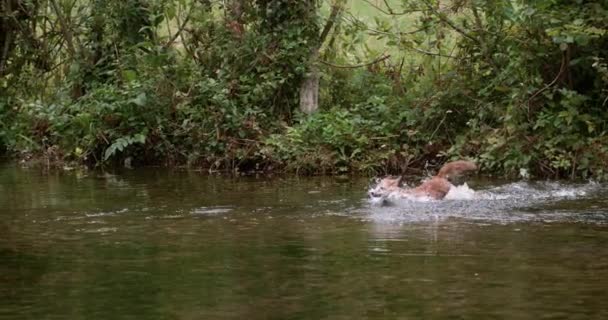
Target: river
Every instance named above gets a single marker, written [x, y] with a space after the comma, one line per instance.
[156, 243]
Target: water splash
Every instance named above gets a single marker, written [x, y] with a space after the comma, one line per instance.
[513, 202]
[462, 192]
[540, 191]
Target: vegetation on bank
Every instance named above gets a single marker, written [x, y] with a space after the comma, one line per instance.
[515, 85]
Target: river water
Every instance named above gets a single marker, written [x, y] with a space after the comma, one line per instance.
[167, 244]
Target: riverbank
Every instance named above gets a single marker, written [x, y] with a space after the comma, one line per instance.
[225, 91]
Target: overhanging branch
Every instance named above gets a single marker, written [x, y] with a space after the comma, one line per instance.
[379, 59]
[389, 11]
[450, 23]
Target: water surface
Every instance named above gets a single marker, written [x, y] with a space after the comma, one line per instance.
[165, 244]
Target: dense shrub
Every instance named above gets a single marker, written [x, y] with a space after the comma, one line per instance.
[515, 85]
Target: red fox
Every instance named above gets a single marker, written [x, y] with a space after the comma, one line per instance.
[435, 188]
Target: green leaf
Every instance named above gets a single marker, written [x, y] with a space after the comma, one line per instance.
[129, 75]
[140, 100]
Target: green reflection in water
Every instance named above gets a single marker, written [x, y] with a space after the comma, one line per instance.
[160, 244]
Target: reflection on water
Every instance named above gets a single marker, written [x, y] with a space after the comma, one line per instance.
[161, 244]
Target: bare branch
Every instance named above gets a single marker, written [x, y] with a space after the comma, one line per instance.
[436, 54]
[354, 20]
[390, 11]
[181, 28]
[413, 31]
[336, 7]
[380, 59]
[562, 68]
[450, 23]
[67, 33]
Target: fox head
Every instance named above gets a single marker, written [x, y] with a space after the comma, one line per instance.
[383, 187]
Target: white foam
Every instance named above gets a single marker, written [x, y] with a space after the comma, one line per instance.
[513, 202]
[462, 192]
[538, 191]
[376, 201]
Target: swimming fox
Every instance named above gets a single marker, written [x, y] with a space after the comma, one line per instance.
[435, 188]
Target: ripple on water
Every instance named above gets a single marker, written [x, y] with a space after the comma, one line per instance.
[99, 230]
[106, 213]
[212, 211]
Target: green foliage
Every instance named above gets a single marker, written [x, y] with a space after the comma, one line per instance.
[543, 89]
[122, 143]
[374, 134]
[336, 141]
[128, 92]
[513, 84]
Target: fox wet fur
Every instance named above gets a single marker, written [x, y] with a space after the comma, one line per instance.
[434, 188]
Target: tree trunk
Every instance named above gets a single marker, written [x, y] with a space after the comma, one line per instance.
[309, 92]
[10, 14]
[309, 89]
